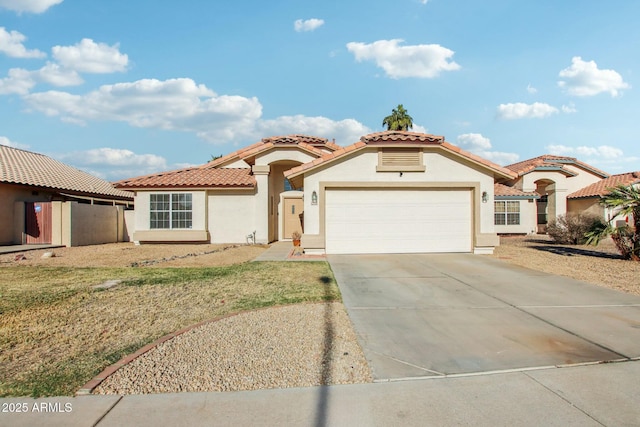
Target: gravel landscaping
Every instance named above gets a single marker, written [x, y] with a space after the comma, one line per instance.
[294, 346]
[600, 265]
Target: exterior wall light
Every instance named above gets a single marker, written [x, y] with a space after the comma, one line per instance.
[485, 197]
[314, 198]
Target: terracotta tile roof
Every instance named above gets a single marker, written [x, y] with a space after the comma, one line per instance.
[496, 167]
[193, 177]
[601, 187]
[37, 170]
[297, 138]
[389, 137]
[501, 190]
[405, 137]
[548, 161]
[310, 143]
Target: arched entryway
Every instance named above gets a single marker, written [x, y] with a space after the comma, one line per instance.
[546, 204]
[278, 212]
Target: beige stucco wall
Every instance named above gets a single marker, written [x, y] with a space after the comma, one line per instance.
[590, 206]
[440, 168]
[81, 224]
[238, 164]
[95, 224]
[528, 220]
[231, 216]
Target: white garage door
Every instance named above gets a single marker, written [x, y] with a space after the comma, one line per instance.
[397, 221]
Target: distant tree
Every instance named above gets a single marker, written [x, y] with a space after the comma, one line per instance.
[624, 201]
[398, 120]
[215, 157]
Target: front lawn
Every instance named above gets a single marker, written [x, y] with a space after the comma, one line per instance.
[57, 330]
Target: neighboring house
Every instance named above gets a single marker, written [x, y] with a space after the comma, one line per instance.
[552, 179]
[391, 192]
[588, 198]
[44, 201]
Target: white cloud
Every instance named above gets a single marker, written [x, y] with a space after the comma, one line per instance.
[18, 80]
[307, 25]
[175, 104]
[584, 78]
[423, 61]
[531, 89]
[182, 105]
[56, 75]
[11, 44]
[600, 152]
[419, 129]
[568, 109]
[114, 163]
[21, 81]
[33, 6]
[480, 145]
[91, 57]
[6, 141]
[519, 110]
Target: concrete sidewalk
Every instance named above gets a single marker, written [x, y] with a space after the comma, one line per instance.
[594, 395]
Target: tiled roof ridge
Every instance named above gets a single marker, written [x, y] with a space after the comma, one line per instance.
[401, 135]
[296, 138]
[24, 167]
[525, 166]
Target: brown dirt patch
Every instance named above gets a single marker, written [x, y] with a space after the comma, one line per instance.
[600, 265]
[128, 254]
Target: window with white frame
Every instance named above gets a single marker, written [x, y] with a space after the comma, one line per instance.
[171, 211]
[507, 212]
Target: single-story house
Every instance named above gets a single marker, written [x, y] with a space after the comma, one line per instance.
[45, 201]
[389, 192]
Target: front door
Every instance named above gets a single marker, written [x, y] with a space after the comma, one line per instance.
[38, 223]
[291, 213]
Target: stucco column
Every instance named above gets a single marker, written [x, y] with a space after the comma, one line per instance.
[261, 175]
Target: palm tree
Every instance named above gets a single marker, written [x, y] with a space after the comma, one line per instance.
[398, 120]
[623, 200]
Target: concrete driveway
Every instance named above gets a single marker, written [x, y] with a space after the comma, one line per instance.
[447, 314]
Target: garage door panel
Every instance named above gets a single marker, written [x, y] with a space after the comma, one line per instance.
[397, 221]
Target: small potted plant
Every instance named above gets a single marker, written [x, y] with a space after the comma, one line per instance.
[295, 237]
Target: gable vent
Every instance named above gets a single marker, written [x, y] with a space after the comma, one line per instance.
[392, 160]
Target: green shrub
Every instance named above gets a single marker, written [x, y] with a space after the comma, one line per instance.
[571, 228]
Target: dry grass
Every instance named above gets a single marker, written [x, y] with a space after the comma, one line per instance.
[600, 265]
[57, 330]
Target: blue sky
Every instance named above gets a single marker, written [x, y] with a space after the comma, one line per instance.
[122, 88]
